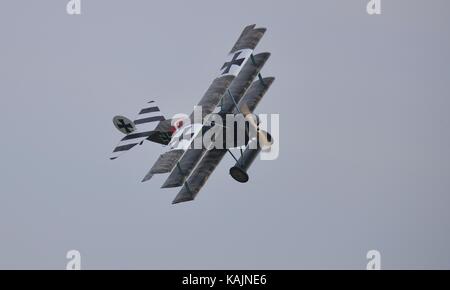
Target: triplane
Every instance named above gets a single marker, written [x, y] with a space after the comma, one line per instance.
[237, 90]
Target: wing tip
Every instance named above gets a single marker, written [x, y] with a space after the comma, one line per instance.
[261, 30]
[269, 79]
[147, 177]
[264, 54]
[184, 195]
[253, 26]
[180, 199]
[170, 185]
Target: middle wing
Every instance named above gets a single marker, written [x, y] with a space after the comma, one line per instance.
[237, 58]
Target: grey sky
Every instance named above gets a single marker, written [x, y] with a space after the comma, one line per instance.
[364, 158]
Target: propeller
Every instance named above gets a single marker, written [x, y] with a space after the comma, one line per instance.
[264, 138]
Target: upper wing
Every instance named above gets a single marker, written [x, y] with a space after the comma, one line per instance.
[243, 81]
[237, 58]
[145, 123]
[254, 95]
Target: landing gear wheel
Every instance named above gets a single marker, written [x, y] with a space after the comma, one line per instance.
[238, 174]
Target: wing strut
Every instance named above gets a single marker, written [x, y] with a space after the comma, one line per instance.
[259, 74]
[179, 167]
[234, 101]
[232, 155]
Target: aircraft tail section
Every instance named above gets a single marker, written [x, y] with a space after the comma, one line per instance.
[143, 127]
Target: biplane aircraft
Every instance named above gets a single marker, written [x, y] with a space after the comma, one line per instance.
[237, 89]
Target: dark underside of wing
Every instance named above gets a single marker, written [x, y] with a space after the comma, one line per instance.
[200, 175]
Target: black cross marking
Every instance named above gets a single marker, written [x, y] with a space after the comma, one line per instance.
[121, 124]
[234, 61]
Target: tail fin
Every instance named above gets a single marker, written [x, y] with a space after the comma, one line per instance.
[141, 128]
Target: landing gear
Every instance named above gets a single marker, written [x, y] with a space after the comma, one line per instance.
[239, 170]
[238, 174]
